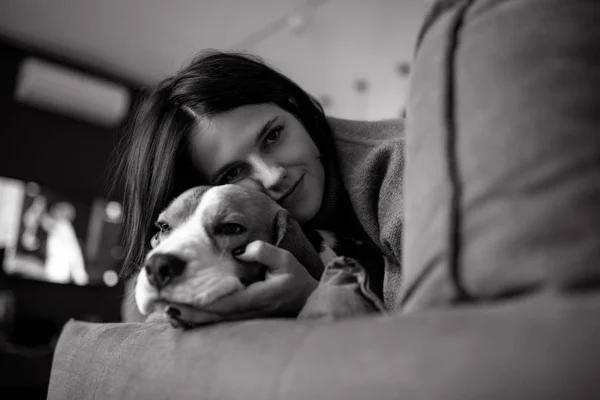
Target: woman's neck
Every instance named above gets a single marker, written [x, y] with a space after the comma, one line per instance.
[336, 212]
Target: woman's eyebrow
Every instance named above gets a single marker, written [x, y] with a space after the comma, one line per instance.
[261, 132]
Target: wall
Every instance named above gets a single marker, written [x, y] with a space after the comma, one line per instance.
[325, 48]
[66, 154]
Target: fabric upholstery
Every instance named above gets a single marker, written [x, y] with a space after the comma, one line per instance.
[544, 348]
[502, 187]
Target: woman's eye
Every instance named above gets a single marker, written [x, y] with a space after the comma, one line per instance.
[273, 136]
[230, 229]
[232, 174]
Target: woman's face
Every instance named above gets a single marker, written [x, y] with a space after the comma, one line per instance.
[264, 147]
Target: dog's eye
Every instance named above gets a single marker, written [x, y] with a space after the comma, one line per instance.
[230, 229]
[163, 226]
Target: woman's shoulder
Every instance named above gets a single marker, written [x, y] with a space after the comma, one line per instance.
[363, 147]
[369, 133]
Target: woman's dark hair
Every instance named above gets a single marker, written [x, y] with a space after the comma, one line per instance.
[154, 165]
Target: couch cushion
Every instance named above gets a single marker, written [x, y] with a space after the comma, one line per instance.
[502, 181]
[544, 348]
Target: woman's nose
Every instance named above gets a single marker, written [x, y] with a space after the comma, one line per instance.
[269, 174]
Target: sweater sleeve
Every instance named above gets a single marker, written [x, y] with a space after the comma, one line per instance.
[391, 217]
[371, 158]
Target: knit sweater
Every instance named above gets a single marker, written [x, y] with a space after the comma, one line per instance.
[368, 179]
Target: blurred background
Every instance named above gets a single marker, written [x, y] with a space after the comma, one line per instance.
[69, 73]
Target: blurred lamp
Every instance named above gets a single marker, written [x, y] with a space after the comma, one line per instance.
[72, 93]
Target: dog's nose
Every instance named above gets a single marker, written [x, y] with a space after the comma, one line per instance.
[161, 268]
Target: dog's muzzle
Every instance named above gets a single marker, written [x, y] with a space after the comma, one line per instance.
[162, 268]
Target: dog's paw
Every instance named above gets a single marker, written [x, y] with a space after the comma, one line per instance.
[186, 316]
[174, 317]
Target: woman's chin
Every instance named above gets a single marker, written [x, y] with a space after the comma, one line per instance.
[304, 213]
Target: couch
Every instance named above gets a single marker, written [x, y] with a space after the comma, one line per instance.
[501, 255]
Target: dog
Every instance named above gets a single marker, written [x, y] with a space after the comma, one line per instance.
[192, 260]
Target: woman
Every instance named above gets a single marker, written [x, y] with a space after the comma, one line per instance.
[229, 118]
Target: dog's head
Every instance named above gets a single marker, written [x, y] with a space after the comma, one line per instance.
[193, 256]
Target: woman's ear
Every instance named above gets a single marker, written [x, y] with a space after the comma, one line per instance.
[288, 235]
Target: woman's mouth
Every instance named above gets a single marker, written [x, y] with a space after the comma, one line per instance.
[290, 191]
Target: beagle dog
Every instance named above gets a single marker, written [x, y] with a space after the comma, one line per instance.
[192, 261]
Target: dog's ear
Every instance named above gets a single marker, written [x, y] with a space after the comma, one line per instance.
[289, 236]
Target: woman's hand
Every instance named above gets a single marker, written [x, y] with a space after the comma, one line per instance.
[284, 291]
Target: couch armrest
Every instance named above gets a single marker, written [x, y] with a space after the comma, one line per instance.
[502, 179]
[546, 347]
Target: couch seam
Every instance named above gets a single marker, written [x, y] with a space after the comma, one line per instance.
[454, 216]
[455, 222]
